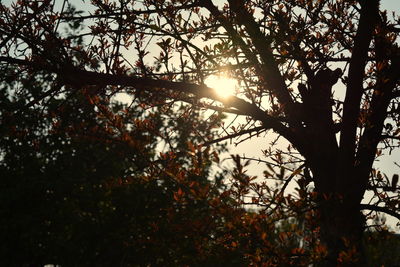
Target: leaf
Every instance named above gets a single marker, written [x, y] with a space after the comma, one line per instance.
[215, 156]
[296, 172]
[178, 195]
[154, 27]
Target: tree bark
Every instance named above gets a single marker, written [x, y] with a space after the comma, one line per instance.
[341, 228]
[340, 220]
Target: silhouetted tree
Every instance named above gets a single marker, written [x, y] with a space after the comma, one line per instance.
[287, 56]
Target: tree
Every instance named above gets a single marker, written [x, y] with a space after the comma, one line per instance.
[286, 55]
[80, 186]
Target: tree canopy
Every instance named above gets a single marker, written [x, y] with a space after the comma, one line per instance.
[322, 75]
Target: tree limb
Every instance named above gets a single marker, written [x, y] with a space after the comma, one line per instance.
[255, 129]
[380, 209]
[273, 77]
[356, 74]
[74, 76]
[354, 92]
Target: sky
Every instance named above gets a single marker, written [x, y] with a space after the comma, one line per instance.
[391, 5]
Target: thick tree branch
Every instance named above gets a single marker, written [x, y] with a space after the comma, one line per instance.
[387, 78]
[380, 209]
[354, 91]
[273, 77]
[268, 71]
[269, 74]
[232, 33]
[202, 91]
[79, 77]
[383, 137]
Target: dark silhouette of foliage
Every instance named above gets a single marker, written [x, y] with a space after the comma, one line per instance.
[323, 75]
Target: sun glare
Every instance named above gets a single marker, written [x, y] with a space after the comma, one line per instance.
[223, 85]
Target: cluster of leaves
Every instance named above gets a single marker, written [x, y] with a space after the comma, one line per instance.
[83, 183]
[81, 169]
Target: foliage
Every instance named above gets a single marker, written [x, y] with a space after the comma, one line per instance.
[79, 186]
[323, 75]
[382, 248]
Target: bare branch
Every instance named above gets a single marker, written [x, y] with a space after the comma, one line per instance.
[255, 129]
[380, 209]
[383, 137]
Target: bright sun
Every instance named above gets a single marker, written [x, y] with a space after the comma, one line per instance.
[223, 85]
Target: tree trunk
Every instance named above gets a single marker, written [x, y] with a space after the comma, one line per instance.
[340, 219]
[341, 229]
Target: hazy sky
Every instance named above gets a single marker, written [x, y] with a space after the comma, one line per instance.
[392, 5]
